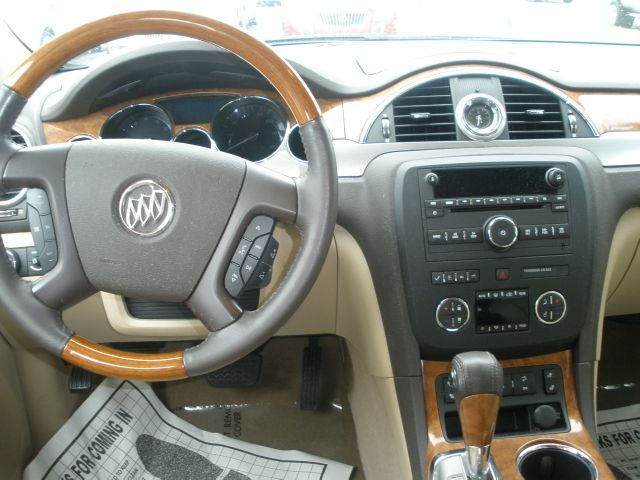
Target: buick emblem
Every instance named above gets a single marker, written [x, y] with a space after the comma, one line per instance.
[145, 208]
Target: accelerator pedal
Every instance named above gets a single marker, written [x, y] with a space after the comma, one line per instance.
[311, 376]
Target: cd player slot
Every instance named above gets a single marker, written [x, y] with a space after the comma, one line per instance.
[493, 208]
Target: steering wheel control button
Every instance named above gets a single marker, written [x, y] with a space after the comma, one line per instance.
[501, 232]
[452, 314]
[38, 199]
[14, 260]
[233, 281]
[261, 276]
[248, 268]
[260, 225]
[146, 208]
[47, 228]
[241, 252]
[33, 261]
[259, 245]
[35, 225]
[271, 252]
[49, 256]
[551, 307]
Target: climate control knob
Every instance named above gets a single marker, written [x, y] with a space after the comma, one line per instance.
[452, 314]
[501, 232]
[551, 307]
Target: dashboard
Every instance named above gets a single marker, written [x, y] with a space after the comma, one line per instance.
[487, 196]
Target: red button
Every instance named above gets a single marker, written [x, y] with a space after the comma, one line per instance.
[502, 274]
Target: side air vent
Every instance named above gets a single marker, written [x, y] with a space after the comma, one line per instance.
[17, 137]
[425, 113]
[532, 112]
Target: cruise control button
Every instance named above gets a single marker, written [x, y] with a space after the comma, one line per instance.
[260, 225]
[38, 199]
[47, 227]
[49, 256]
[233, 281]
[35, 225]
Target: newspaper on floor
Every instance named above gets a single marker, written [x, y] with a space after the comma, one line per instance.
[123, 431]
[619, 438]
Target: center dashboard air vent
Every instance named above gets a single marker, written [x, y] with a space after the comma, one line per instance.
[425, 113]
[532, 112]
[18, 138]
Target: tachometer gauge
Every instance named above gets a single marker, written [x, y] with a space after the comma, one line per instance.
[481, 117]
[139, 121]
[250, 127]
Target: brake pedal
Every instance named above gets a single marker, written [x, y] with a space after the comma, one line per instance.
[311, 376]
[241, 374]
[79, 380]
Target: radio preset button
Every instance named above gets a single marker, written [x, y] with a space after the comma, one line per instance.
[559, 207]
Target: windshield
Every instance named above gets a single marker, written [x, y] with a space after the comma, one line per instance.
[599, 21]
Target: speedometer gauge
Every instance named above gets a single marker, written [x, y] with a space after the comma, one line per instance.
[250, 127]
[480, 117]
[139, 121]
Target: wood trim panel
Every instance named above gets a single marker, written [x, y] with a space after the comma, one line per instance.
[117, 363]
[46, 60]
[63, 131]
[505, 450]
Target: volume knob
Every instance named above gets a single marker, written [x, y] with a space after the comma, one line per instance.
[501, 232]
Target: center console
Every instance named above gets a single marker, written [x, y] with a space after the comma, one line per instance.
[496, 254]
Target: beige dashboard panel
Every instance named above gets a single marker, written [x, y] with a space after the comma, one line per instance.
[623, 273]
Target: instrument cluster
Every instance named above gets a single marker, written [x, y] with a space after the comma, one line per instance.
[250, 127]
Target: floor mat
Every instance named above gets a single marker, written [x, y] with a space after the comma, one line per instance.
[269, 414]
[123, 431]
[619, 438]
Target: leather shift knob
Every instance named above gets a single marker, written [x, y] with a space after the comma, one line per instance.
[477, 382]
[475, 373]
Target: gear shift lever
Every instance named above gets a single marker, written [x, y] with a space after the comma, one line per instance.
[477, 387]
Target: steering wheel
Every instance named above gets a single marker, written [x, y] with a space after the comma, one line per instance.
[161, 220]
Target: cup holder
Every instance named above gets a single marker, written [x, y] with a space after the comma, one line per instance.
[554, 461]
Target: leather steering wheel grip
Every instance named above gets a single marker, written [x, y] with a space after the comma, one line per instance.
[42, 320]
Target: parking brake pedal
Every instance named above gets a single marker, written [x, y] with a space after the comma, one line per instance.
[311, 376]
[241, 374]
[79, 380]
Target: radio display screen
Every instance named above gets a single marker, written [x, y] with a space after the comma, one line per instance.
[491, 182]
[502, 311]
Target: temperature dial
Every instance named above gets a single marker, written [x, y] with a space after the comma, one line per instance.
[501, 232]
[452, 314]
[551, 307]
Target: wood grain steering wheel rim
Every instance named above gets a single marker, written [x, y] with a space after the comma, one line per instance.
[301, 103]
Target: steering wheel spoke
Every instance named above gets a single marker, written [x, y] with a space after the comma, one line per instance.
[44, 167]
